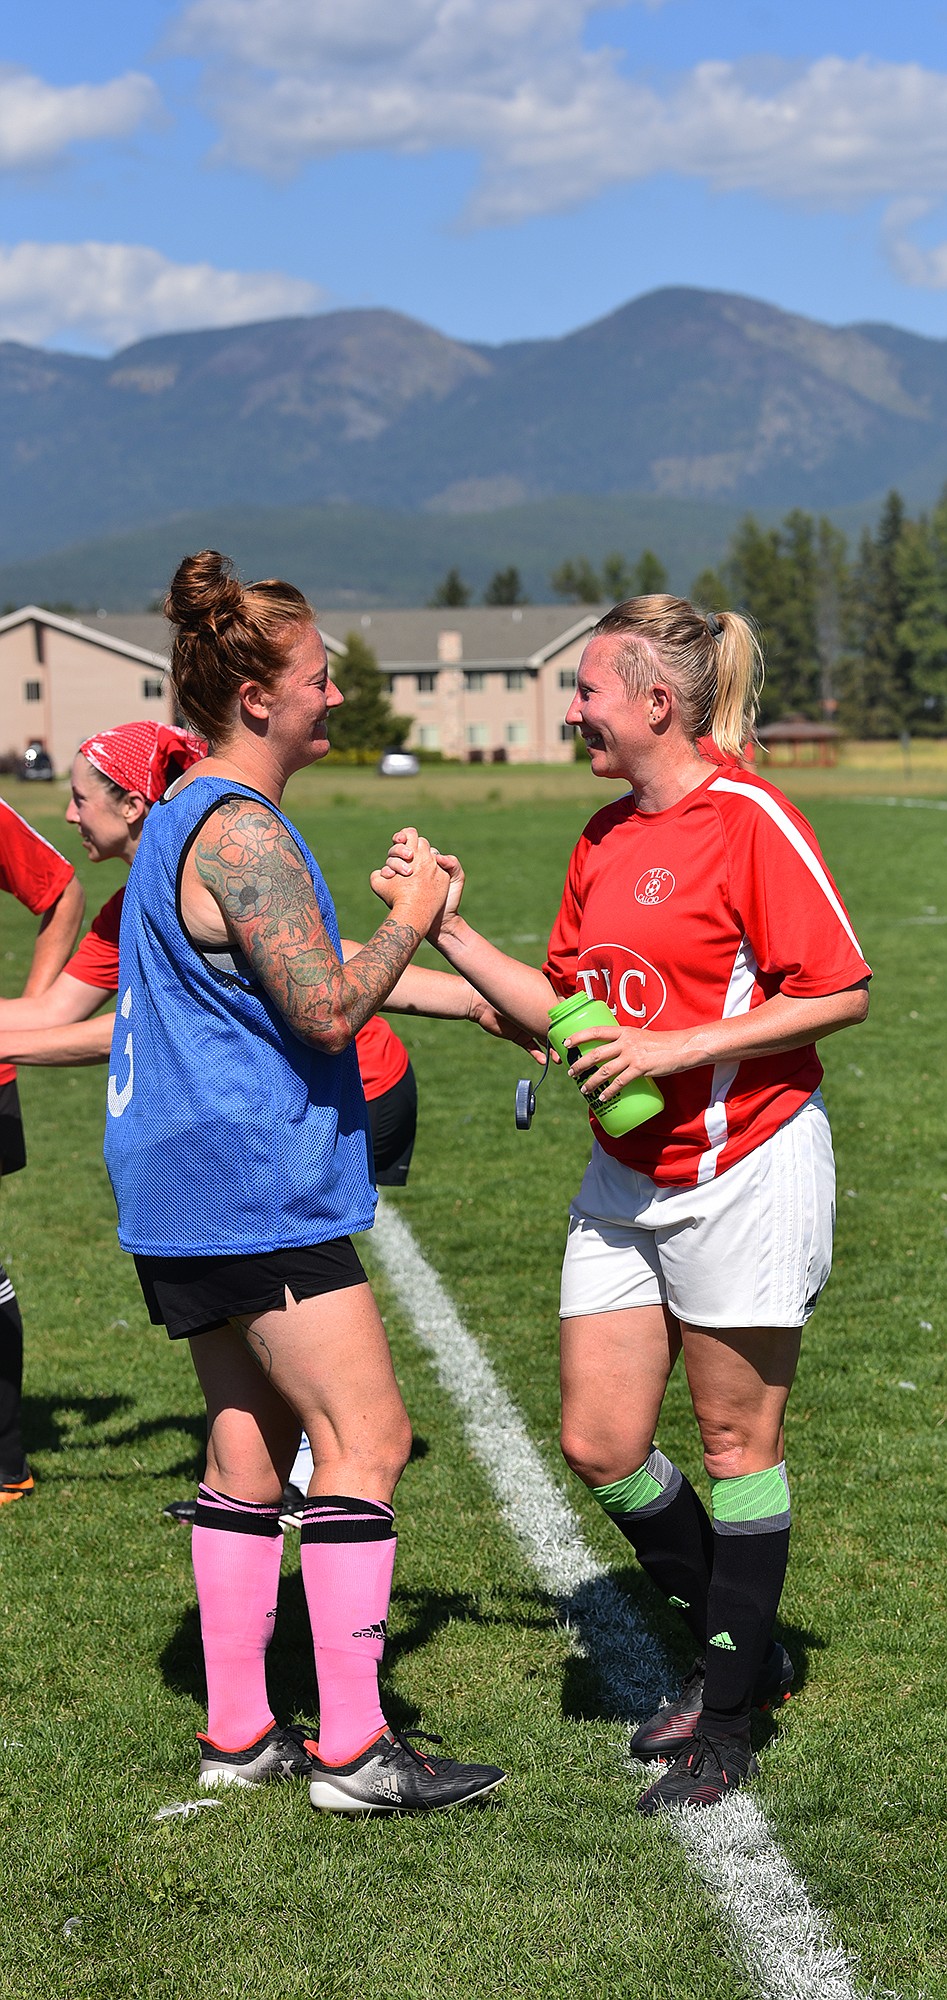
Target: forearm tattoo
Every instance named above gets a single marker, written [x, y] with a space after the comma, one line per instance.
[257, 877]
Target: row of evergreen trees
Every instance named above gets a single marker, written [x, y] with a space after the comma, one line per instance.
[859, 637]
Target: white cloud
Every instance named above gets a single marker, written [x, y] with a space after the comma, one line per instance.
[38, 122]
[112, 293]
[552, 122]
[913, 263]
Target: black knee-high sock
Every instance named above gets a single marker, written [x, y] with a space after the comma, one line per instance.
[670, 1534]
[749, 1567]
[12, 1460]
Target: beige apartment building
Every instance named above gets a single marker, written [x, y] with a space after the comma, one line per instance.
[61, 680]
[489, 684]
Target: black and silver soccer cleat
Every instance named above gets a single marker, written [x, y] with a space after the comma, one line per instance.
[281, 1753]
[707, 1769]
[673, 1724]
[292, 1507]
[392, 1777]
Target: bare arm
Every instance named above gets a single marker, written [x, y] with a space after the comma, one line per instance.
[250, 867]
[782, 1022]
[422, 991]
[68, 1046]
[57, 935]
[444, 997]
[65, 1001]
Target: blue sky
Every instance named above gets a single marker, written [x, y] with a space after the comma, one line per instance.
[502, 169]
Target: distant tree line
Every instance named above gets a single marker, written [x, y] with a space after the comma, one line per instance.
[860, 638]
[857, 637]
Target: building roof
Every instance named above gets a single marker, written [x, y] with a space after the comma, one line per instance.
[146, 638]
[798, 729]
[491, 635]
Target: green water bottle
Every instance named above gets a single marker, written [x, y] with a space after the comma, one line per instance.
[635, 1101]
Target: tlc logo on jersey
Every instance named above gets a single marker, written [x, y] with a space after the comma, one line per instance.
[654, 886]
[630, 984]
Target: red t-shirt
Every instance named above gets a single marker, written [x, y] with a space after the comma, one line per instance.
[382, 1058]
[33, 871]
[697, 914]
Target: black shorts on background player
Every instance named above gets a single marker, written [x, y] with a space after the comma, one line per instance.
[14, 1470]
[393, 1118]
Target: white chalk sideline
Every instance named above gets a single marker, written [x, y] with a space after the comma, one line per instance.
[783, 1939]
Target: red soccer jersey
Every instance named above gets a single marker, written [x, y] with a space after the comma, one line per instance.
[698, 914]
[31, 870]
[95, 959]
[382, 1058]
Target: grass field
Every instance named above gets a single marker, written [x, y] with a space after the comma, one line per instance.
[560, 1889]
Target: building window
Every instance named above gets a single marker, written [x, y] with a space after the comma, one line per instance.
[566, 732]
[475, 683]
[427, 683]
[567, 677]
[477, 735]
[516, 732]
[515, 680]
[32, 690]
[429, 738]
[152, 690]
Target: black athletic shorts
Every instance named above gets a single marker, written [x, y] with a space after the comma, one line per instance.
[192, 1294]
[393, 1118]
[12, 1142]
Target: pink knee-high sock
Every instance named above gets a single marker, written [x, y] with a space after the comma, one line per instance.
[236, 1547]
[348, 1555]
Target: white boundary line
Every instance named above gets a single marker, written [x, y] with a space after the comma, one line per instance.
[784, 1940]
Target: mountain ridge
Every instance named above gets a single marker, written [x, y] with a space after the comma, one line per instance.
[682, 393]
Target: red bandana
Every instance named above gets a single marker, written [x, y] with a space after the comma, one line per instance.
[143, 756]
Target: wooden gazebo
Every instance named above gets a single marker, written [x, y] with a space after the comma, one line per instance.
[804, 742]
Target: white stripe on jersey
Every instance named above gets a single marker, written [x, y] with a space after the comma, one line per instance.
[736, 1001]
[6, 1292]
[27, 828]
[796, 839]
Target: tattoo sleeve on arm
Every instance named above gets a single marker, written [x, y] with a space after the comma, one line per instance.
[262, 887]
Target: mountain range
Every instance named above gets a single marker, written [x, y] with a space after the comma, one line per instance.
[683, 395]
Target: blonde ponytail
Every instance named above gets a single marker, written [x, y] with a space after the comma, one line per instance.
[739, 677]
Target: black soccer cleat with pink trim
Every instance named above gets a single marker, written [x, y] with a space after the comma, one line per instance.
[707, 1769]
[673, 1724]
[390, 1776]
[280, 1753]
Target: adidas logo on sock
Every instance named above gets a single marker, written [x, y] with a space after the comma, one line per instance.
[379, 1631]
[724, 1641]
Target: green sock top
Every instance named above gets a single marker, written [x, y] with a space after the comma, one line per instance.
[753, 1496]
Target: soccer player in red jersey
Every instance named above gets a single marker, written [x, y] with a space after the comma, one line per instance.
[700, 908]
[39, 877]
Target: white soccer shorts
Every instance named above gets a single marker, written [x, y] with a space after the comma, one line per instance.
[751, 1248]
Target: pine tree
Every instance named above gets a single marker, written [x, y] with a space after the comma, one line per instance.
[648, 575]
[710, 592]
[578, 581]
[921, 666]
[878, 689]
[366, 720]
[505, 587]
[452, 594]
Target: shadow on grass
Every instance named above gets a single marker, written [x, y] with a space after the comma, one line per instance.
[71, 1423]
[290, 1670]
